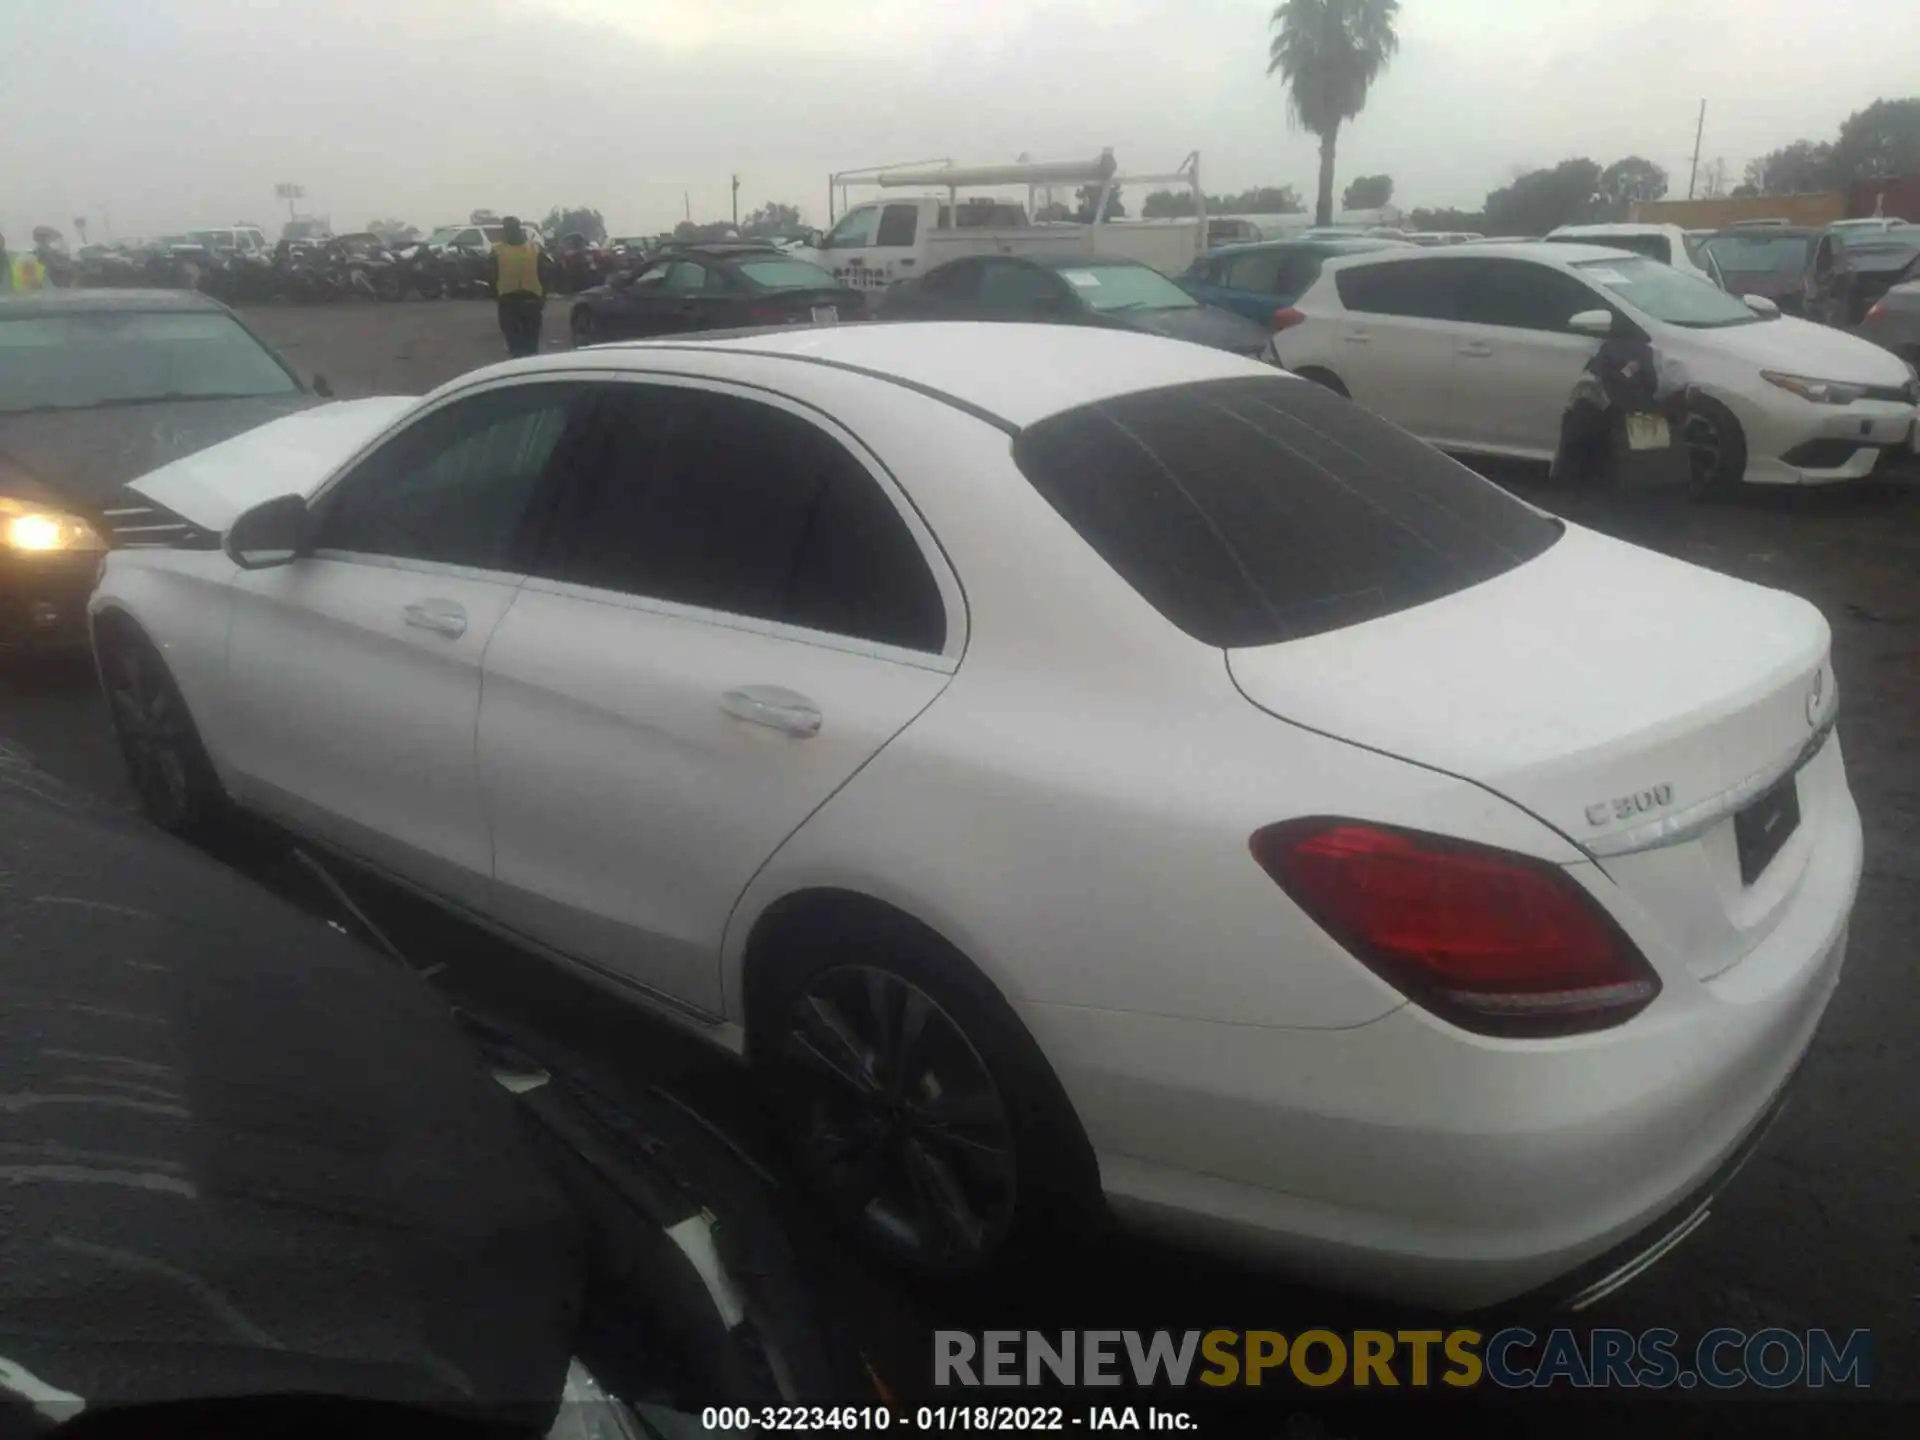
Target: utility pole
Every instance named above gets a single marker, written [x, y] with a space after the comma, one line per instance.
[1698, 131]
[736, 202]
[686, 201]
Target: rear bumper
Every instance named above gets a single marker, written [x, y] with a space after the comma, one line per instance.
[1408, 1160]
[43, 601]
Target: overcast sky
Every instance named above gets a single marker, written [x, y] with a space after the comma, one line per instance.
[163, 114]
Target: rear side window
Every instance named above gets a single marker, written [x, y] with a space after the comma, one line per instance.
[1417, 289]
[1255, 511]
[727, 504]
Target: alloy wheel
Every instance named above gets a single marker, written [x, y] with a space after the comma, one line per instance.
[898, 1117]
[1706, 447]
[153, 732]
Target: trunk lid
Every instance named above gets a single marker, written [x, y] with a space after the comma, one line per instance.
[1635, 703]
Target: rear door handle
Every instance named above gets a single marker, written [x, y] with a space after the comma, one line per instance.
[1357, 337]
[442, 617]
[1475, 350]
[778, 709]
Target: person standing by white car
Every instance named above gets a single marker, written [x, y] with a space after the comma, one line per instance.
[1475, 350]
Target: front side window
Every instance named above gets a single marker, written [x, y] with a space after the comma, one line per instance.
[686, 278]
[787, 274]
[1015, 288]
[77, 361]
[1255, 511]
[855, 230]
[1668, 294]
[458, 487]
[1519, 295]
[897, 225]
[736, 506]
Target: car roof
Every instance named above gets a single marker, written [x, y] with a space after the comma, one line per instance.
[721, 249]
[1011, 375]
[1354, 244]
[106, 302]
[1622, 227]
[1549, 252]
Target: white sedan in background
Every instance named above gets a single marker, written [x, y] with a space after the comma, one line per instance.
[1073, 765]
[1477, 350]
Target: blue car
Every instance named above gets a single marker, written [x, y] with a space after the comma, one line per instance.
[1256, 280]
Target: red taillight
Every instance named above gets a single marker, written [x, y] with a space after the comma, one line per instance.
[1286, 318]
[1495, 942]
[1878, 312]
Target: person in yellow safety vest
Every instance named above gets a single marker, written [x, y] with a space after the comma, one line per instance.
[521, 295]
[21, 274]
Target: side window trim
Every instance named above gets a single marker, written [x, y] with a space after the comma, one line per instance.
[932, 554]
[405, 425]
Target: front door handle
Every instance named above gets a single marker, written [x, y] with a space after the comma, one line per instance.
[1476, 350]
[776, 708]
[1357, 337]
[442, 617]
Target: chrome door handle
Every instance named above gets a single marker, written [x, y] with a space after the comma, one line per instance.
[1474, 350]
[777, 709]
[443, 617]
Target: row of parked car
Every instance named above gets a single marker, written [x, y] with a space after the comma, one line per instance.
[1475, 347]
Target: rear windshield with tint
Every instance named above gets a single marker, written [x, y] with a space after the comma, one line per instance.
[1250, 512]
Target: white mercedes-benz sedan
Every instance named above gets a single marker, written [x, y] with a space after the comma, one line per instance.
[1086, 773]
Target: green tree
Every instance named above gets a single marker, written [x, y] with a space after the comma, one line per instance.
[1880, 141]
[1803, 168]
[1328, 53]
[1088, 196]
[1633, 179]
[1369, 192]
[1169, 205]
[1539, 200]
[578, 220]
[773, 219]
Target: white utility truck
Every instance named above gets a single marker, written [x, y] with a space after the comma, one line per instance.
[902, 237]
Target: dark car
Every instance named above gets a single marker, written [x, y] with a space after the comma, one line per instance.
[1869, 264]
[713, 287]
[260, 1179]
[1893, 322]
[1116, 294]
[1256, 280]
[1768, 261]
[97, 388]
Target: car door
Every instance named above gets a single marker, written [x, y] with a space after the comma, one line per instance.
[949, 292]
[1517, 360]
[1393, 347]
[697, 297]
[1018, 291]
[874, 245]
[354, 672]
[736, 612]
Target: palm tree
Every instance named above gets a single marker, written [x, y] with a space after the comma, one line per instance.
[1330, 52]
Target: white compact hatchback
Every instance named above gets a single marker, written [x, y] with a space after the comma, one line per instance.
[1477, 350]
[1086, 773]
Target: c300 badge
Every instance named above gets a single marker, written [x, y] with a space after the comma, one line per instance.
[1641, 802]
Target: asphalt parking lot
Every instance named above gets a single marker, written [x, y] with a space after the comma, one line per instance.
[1822, 1229]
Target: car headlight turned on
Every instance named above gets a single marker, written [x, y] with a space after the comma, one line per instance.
[35, 529]
[1820, 392]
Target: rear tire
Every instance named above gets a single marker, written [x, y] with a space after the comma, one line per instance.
[166, 761]
[914, 1102]
[1716, 446]
[1326, 379]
